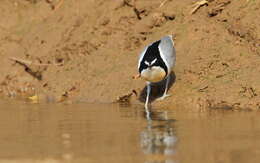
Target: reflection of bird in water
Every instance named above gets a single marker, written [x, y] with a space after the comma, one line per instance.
[155, 64]
[158, 138]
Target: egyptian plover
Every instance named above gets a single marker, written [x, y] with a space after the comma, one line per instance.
[155, 64]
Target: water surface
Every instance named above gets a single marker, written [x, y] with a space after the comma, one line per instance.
[91, 133]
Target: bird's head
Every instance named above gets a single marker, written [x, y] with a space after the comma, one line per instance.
[153, 72]
[151, 63]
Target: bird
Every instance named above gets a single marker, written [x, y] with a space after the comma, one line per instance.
[155, 64]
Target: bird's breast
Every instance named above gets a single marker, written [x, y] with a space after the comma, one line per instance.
[153, 74]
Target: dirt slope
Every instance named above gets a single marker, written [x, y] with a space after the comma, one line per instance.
[87, 50]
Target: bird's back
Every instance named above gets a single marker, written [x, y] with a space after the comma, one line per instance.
[167, 51]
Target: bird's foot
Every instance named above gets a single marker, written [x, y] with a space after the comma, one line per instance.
[163, 97]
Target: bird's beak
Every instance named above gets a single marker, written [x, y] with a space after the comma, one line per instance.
[136, 76]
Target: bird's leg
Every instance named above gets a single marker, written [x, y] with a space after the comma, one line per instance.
[166, 89]
[147, 100]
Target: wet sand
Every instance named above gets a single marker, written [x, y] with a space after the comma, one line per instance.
[78, 133]
[87, 49]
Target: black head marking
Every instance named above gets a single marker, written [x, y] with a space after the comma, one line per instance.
[152, 53]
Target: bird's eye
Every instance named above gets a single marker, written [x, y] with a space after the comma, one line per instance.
[147, 63]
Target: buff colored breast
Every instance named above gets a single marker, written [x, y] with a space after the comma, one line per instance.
[153, 74]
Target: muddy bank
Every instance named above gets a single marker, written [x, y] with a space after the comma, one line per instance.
[87, 50]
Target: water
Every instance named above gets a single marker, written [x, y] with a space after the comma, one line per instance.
[86, 133]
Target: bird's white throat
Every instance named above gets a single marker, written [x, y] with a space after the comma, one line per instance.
[153, 74]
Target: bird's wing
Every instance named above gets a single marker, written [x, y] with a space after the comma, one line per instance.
[167, 51]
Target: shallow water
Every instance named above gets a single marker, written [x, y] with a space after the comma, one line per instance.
[89, 133]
